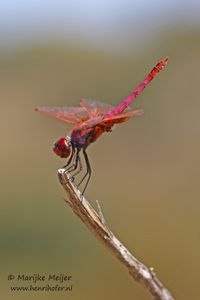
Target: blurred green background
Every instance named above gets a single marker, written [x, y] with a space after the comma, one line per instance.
[145, 174]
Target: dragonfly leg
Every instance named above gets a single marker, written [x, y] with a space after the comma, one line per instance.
[70, 159]
[75, 163]
[79, 165]
[88, 172]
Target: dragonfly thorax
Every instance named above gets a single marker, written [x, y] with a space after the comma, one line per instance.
[62, 147]
[83, 137]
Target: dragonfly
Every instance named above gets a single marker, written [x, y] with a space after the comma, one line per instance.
[90, 120]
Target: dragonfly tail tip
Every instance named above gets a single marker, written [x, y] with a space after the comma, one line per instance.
[165, 59]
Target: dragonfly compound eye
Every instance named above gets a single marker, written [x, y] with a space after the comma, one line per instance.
[62, 147]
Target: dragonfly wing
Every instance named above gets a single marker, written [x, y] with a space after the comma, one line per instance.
[67, 114]
[95, 108]
[120, 118]
[111, 121]
[90, 123]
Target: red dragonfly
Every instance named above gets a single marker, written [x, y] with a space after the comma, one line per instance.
[90, 120]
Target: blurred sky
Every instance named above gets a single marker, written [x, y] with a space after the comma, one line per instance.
[98, 22]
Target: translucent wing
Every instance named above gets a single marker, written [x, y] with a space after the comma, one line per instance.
[72, 115]
[120, 118]
[111, 121]
[95, 108]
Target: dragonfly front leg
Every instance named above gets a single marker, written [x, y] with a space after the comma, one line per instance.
[70, 160]
[75, 163]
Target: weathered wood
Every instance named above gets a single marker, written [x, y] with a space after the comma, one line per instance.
[97, 225]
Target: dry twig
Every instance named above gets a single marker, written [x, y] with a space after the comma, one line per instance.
[97, 225]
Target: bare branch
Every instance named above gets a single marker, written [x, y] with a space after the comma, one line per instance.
[97, 225]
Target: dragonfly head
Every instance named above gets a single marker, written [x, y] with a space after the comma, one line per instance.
[62, 147]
